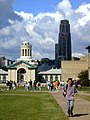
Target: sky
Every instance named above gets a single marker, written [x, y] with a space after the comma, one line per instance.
[37, 21]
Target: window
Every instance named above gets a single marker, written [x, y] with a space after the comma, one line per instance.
[63, 28]
[51, 78]
[25, 52]
[56, 77]
[28, 52]
[4, 79]
[46, 77]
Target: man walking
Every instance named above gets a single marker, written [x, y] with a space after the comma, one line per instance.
[70, 91]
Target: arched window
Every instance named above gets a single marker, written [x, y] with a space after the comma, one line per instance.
[25, 52]
[28, 52]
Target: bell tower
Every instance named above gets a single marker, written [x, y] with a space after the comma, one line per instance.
[26, 51]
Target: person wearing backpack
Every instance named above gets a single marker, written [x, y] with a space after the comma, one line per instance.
[70, 91]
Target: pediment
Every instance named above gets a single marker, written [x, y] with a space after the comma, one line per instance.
[21, 63]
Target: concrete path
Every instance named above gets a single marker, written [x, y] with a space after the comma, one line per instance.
[81, 109]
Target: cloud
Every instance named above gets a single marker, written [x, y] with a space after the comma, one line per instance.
[7, 13]
[42, 30]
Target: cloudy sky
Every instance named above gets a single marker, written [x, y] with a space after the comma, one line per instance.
[37, 21]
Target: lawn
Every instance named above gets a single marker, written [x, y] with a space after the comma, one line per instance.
[85, 97]
[26, 105]
[84, 89]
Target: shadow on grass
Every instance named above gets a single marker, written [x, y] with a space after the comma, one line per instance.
[78, 115]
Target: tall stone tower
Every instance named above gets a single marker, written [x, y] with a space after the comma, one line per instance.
[64, 42]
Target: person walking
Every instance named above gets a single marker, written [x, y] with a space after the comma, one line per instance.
[35, 85]
[30, 82]
[26, 85]
[70, 92]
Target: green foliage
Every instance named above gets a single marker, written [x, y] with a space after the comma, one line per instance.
[83, 76]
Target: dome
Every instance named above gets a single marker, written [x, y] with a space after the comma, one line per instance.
[25, 43]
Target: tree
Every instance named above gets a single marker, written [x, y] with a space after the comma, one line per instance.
[83, 76]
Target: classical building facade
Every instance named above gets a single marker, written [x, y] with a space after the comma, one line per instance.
[24, 68]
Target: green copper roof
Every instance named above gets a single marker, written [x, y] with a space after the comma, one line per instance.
[20, 62]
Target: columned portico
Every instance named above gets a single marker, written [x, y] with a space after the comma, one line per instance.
[23, 69]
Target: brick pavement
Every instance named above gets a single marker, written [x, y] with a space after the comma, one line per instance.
[81, 109]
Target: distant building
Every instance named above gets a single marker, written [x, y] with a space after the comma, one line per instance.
[71, 68]
[88, 48]
[24, 68]
[63, 48]
[3, 76]
[50, 75]
[5, 62]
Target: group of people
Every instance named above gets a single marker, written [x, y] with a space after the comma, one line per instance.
[53, 85]
[69, 90]
[35, 85]
[11, 85]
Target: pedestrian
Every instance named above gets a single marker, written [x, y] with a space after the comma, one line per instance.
[51, 85]
[7, 85]
[26, 86]
[35, 85]
[48, 85]
[30, 82]
[56, 85]
[70, 92]
[10, 85]
[39, 86]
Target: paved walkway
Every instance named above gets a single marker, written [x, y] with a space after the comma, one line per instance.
[81, 109]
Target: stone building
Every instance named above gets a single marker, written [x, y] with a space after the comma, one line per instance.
[63, 48]
[88, 63]
[24, 68]
[3, 76]
[73, 67]
[50, 75]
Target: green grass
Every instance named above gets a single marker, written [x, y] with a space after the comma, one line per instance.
[84, 89]
[26, 105]
[85, 97]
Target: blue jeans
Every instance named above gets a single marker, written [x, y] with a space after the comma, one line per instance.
[70, 106]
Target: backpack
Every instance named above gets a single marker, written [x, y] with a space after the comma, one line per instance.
[65, 91]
